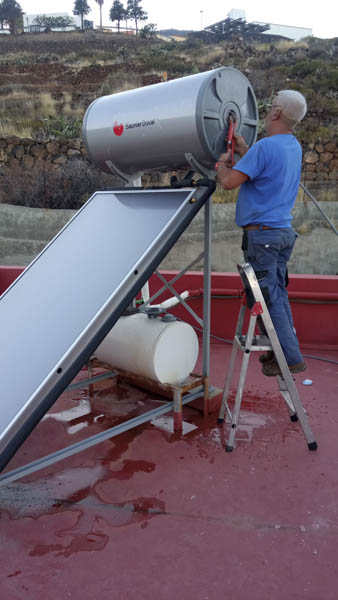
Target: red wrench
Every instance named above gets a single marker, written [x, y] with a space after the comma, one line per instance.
[230, 137]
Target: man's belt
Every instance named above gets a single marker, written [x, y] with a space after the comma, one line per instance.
[256, 227]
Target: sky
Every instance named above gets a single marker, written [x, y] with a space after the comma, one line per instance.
[321, 17]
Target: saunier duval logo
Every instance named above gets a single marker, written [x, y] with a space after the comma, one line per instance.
[119, 128]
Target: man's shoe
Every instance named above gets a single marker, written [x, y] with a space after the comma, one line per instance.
[272, 369]
[267, 357]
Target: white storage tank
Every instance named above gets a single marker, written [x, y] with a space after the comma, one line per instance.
[163, 350]
[157, 126]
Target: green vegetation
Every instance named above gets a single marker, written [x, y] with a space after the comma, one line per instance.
[49, 79]
[268, 66]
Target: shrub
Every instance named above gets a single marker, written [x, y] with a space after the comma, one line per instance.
[53, 127]
[47, 187]
[120, 82]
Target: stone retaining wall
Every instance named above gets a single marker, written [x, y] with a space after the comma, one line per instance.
[17, 152]
[320, 159]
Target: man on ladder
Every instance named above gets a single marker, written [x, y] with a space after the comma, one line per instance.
[269, 175]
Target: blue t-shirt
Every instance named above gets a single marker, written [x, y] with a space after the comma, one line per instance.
[274, 167]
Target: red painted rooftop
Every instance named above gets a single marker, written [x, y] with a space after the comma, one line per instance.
[149, 514]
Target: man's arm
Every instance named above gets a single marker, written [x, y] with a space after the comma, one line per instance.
[228, 178]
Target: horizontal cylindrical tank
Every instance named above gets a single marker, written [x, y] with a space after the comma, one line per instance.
[151, 347]
[155, 127]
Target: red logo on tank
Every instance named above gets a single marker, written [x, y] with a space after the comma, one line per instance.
[118, 129]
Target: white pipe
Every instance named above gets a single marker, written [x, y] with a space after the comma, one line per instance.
[145, 292]
[171, 301]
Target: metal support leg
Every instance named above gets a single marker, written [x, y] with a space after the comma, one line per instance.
[206, 396]
[177, 411]
[90, 375]
[206, 297]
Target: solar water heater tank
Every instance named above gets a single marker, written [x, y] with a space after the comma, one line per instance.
[168, 125]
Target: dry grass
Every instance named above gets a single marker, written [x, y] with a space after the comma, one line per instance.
[211, 56]
[9, 129]
[67, 104]
[47, 105]
[224, 196]
[120, 82]
[17, 58]
[41, 113]
[281, 46]
[284, 45]
[178, 38]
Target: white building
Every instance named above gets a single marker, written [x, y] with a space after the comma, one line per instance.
[289, 31]
[31, 27]
[294, 33]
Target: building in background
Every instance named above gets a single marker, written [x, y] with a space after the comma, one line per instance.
[289, 31]
[235, 24]
[30, 25]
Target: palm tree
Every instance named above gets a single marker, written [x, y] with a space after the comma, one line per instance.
[100, 2]
[117, 13]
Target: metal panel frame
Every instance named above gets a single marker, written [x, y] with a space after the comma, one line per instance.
[81, 351]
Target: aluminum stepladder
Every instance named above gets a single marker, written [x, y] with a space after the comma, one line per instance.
[253, 301]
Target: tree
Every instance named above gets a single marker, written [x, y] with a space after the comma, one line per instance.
[100, 2]
[117, 13]
[81, 8]
[2, 17]
[11, 13]
[148, 31]
[136, 12]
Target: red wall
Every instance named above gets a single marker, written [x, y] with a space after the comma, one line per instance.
[314, 303]
[313, 299]
[7, 276]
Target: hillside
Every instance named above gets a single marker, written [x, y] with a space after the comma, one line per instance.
[48, 80]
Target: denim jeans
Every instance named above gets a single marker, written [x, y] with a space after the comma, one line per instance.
[268, 252]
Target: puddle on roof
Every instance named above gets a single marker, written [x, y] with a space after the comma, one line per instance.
[91, 533]
[167, 424]
[39, 497]
[248, 423]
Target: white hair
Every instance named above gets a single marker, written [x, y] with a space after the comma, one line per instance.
[293, 105]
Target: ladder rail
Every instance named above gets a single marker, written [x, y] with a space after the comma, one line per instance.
[241, 384]
[250, 342]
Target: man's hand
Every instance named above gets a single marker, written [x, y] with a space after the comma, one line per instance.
[229, 178]
[226, 157]
[241, 146]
